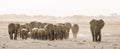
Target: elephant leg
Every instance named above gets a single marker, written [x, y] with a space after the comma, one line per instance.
[93, 33]
[56, 36]
[35, 35]
[51, 35]
[68, 34]
[65, 35]
[62, 36]
[22, 35]
[15, 36]
[75, 35]
[99, 38]
[32, 36]
[93, 37]
[11, 35]
[45, 37]
[25, 35]
[40, 36]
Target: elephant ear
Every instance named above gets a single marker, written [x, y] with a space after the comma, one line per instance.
[91, 22]
[102, 23]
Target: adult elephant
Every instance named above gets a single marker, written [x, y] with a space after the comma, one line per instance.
[50, 31]
[75, 30]
[59, 31]
[64, 31]
[96, 26]
[55, 31]
[13, 29]
[68, 27]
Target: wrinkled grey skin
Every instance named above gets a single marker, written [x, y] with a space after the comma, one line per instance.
[75, 30]
[96, 26]
[13, 29]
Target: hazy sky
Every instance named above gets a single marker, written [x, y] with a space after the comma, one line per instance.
[60, 7]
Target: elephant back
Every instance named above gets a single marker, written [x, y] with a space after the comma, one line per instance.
[42, 25]
[93, 22]
[34, 24]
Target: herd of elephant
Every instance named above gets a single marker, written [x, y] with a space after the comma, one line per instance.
[49, 31]
[42, 31]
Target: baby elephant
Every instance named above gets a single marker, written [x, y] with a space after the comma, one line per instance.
[96, 26]
[24, 33]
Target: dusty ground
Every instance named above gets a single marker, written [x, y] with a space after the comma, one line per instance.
[110, 37]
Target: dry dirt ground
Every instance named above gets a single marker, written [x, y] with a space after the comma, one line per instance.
[110, 38]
